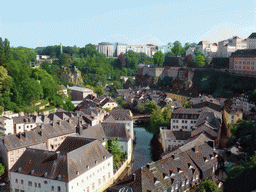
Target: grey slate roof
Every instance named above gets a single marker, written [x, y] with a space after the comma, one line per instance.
[121, 114]
[252, 36]
[66, 165]
[244, 53]
[95, 132]
[21, 140]
[56, 129]
[117, 130]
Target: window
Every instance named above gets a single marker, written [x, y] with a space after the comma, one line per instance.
[11, 160]
[93, 185]
[88, 189]
[52, 188]
[82, 180]
[59, 189]
[185, 121]
[108, 174]
[108, 164]
[104, 178]
[35, 184]
[30, 183]
[21, 181]
[16, 190]
[182, 121]
[39, 185]
[99, 181]
[173, 126]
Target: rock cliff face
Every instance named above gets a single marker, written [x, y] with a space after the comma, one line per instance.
[71, 75]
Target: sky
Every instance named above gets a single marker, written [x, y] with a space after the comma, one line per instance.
[31, 24]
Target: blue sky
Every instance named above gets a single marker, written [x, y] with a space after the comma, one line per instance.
[29, 23]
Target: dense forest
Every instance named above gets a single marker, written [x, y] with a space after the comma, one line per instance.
[22, 86]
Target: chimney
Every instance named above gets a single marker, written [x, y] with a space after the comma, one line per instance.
[79, 128]
[18, 135]
[133, 177]
[58, 154]
[24, 134]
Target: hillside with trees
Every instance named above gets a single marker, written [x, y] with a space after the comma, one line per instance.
[22, 86]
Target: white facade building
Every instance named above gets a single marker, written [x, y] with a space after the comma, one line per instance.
[6, 125]
[251, 41]
[68, 169]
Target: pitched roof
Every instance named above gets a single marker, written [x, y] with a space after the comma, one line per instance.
[95, 132]
[56, 129]
[187, 111]
[117, 130]
[205, 128]
[22, 140]
[121, 114]
[244, 53]
[65, 165]
[252, 36]
[178, 135]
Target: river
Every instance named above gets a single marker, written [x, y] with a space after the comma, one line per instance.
[142, 148]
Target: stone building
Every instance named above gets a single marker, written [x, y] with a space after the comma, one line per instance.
[227, 47]
[251, 41]
[64, 170]
[243, 62]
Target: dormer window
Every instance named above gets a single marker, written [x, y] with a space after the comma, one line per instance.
[211, 156]
[96, 161]
[77, 172]
[171, 174]
[179, 170]
[165, 176]
[190, 166]
[205, 159]
[156, 181]
[87, 166]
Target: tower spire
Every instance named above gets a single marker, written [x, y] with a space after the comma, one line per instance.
[61, 48]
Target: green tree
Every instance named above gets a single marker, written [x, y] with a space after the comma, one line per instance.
[2, 55]
[64, 60]
[5, 80]
[246, 131]
[113, 146]
[208, 186]
[151, 106]
[235, 171]
[120, 101]
[68, 105]
[158, 58]
[187, 104]
[200, 60]
[156, 119]
[7, 51]
[2, 169]
[177, 49]
[167, 113]
[89, 49]
[117, 85]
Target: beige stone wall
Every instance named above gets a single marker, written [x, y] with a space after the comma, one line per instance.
[54, 143]
[13, 156]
